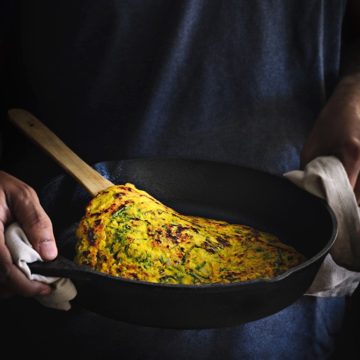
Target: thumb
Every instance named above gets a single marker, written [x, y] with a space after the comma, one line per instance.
[34, 221]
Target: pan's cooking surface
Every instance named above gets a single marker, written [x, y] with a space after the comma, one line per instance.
[213, 190]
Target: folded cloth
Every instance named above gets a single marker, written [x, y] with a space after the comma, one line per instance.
[325, 177]
[23, 254]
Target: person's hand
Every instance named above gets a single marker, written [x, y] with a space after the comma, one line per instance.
[19, 202]
[337, 131]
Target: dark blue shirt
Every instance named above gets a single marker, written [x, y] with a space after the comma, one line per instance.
[232, 81]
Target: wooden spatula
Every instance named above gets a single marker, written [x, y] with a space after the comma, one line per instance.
[88, 177]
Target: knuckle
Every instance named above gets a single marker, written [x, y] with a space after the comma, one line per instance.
[41, 220]
[34, 215]
[351, 149]
[3, 176]
[26, 193]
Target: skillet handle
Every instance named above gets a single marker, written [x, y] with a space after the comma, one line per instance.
[87, 176]
[61, 267]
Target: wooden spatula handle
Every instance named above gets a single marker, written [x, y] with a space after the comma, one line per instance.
[47, 140]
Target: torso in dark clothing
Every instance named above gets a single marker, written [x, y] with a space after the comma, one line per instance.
[232, 81]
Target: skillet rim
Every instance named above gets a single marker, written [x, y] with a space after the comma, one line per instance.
[256, 282]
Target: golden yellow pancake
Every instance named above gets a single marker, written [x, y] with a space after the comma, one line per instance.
[126, 232]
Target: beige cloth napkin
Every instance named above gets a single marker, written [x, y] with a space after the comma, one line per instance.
[326, 178]
[23, 254]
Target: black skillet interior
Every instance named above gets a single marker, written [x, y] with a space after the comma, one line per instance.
[213, 190]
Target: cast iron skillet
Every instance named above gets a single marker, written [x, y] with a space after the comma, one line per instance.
[213, 190]
[201, 188]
